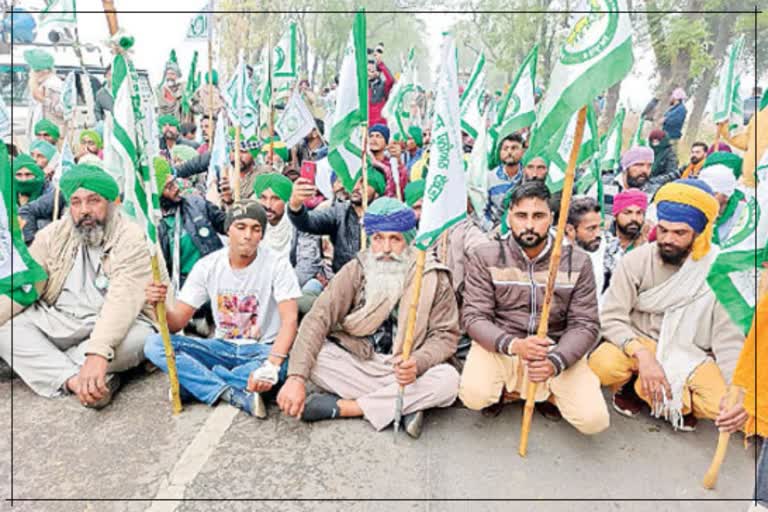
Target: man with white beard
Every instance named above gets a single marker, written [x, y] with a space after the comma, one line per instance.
[350, 343]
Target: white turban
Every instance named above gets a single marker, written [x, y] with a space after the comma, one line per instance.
[720, 178]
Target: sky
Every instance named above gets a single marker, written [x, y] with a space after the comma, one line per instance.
[157, 33]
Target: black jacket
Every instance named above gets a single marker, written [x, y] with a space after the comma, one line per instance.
[339, 221]
[39, 213]
[202, 220]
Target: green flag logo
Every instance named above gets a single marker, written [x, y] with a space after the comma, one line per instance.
[745, 225]
[280, 58]
[591, 33]
[514, 104]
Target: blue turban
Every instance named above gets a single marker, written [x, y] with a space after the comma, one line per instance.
[678, 211]
[380, 128]
[389, 214]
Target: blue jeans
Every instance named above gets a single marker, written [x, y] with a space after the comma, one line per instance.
[207, 367]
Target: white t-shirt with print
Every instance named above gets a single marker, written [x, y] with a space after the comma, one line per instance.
[244, 301]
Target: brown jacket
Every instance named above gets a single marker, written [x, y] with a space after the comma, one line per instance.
[126, 265]
[436, 333]
[500, 305]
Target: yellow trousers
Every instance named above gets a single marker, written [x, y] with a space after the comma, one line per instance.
[576, 391]
[701, 394]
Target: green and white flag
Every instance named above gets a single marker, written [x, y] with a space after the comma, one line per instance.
[284, 54]
[737, 267]
[18, 270]
[596, 54]
[68, 98]
[395, 110]
[242, 106]
[471, 104]
[128, 145]
[200, 24]
[559, 150]
[345, 137]
[296, 122]
[58, 14]
[610, 148]
[477, 171]
[517, 110]
[727, 87]
[445, 192]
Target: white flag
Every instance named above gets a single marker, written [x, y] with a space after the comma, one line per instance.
[242, 105]
[284, 54]
[65, 163]
[68, 98]
[58, 14]
[445, 192]
[725, 108]
[471, 105]
[219, 153]
[517, 110]
[296, 122]
[200, 24]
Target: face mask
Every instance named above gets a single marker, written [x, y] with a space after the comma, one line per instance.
[31, 188]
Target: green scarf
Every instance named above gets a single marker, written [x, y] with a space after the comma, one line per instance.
[30, 188]
[730, 209]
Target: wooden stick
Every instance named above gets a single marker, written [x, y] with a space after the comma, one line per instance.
[210, 86]
[410, 327]
[235, 178]
[363, 170]
[170, 357]
[109, 11]
[710, 477]
[554, 265]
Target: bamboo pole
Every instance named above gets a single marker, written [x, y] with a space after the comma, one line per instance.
[210, 80]
[710, 477]
[170, 358]
[554, 264]
[236, 174]
[421, 258]
[363, 171]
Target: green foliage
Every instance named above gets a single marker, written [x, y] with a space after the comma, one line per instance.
[693, 37]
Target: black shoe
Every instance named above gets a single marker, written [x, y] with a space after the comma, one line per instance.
[413, 424]
[321, 406]
[549, 411]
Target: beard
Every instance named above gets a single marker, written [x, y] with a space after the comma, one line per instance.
[535, 178]
[695, 160]
[385, 278]
[631, 230]
[636, 181]
[529, 239]
[672, 254]
[591, 246]
[92, 235]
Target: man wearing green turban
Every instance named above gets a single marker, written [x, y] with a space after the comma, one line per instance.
[273, 190]
[43, 152]
[44, 87]
[90, 142]
[29, 179]
[170, 135]
[365, 308]
[341, 221]
[279, 149]
[414, 196]
[48, 131]
[92, 320]
[414, 146]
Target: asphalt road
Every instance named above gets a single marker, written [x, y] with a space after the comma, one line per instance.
[135, 451]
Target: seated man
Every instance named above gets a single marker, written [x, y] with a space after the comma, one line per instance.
[350, 343]
[414, 197]
[253, 294]
[629, 229]
[91, 320]
[47, 130]
[668, 341]
[302, 249]
[583, 228]
[504, 285]
[44, 153]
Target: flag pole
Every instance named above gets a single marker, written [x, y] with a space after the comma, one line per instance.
[236, 175]
[421, 258]
[170, 357]
[271, 105]
[363, 171]
[210, 78]
[554, 264]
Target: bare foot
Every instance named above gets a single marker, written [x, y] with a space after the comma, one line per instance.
[349, 409]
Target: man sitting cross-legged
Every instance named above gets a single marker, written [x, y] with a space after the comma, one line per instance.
[350, 343]
[668, 341]
[253, 295]
[504, 292]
